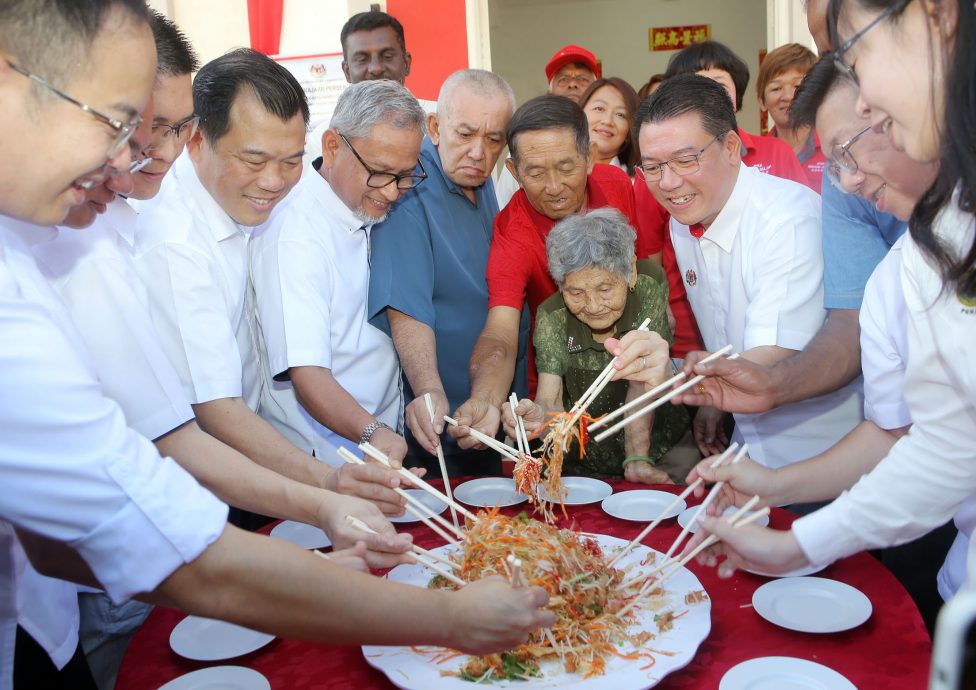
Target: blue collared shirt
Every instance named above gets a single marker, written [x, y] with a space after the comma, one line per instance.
[856, 237]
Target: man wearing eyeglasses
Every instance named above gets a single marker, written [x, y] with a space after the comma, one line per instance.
[330, 378]
[570, 70]
[748, 248]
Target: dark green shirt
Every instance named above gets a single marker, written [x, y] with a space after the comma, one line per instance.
[565, 347]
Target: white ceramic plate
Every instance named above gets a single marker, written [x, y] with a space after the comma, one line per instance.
[811, 604]
[642, 505]
[435, 504]
[305, 536]
[489, 492]
[412, 670]
[205, 639]
[220, 678]
[583, 490]
[799, 572]
[783, 673]
[688, 513]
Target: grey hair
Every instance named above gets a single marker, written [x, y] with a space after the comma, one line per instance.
[599, 239]
[479, 81]
[369, 103]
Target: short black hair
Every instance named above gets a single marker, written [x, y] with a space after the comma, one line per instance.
[368, 21]
[174, 54]
[690, 93]
[221, 80]
[549, 112]
[814, 89]
[711, 55]
[51, 38]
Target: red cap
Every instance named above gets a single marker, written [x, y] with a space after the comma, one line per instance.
[568, 55]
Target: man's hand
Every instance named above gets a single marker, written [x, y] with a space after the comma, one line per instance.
[491, 616]
[383, 550]
[391, 443]
[742, 481]
[645, 473]
[476, 413]
[642, 356]
[373, 482]
[709, 432]
[732, 385]
[533, 416]
[428, 434]
[353, 558]
[754, 548]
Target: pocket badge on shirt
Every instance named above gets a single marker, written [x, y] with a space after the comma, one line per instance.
[691, 277]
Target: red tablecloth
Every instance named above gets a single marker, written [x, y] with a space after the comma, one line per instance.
[891, 650]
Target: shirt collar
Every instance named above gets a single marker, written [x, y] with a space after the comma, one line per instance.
[330, 203]
[579, 336]
[748, 142]
[122, 219]
[185, 182]
[811, 146]
[723, 230]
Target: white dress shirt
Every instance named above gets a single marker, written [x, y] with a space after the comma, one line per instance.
[755, 278]
[192, 259]
[72, 470]
[930, 471]
[310, 274]
[884, 344]
[92, 270]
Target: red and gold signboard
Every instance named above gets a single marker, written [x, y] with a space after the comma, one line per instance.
[677, 37]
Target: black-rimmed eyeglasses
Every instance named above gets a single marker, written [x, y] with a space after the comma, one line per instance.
[378, 180]
[839, 60]
[123, 130]
[687, 164]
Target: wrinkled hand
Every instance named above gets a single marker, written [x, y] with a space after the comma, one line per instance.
[491, 616]
[477, 413]
[642, 356]
[743, 480]
[372, 482]
[709, 431]
[533, 416]
[391, 443]
[383, 550]
[427, 433]
[732, 385]
[645, 473]
[752, 547]
[353, 558]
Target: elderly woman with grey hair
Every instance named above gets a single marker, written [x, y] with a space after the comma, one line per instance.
[604, 292]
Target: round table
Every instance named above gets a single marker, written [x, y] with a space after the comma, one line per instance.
[891, 650]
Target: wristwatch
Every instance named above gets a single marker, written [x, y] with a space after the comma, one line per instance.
[371, 429]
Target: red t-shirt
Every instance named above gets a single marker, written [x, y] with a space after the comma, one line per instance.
[812, 160]
[770, 155]
[517, 267]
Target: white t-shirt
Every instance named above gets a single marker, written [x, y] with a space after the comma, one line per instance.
[930, 471]
[192, 259]
[310, 275]
[93, 272]
[72, 471]
[755, 278]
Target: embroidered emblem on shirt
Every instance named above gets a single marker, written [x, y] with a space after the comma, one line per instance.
[571, 345]
[691, 277]
[968, 304]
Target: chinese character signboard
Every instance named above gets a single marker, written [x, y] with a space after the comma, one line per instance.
[677, 37]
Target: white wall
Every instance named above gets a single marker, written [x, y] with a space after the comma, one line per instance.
[525, 34]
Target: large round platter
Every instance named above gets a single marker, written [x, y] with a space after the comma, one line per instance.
[413, 670]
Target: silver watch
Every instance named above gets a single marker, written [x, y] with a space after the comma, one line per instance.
[371, 429]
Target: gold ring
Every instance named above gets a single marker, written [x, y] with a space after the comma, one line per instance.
[701, 388]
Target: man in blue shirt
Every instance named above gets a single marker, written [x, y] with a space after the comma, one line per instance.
[427, 279]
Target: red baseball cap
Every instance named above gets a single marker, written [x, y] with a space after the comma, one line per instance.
[568, 55]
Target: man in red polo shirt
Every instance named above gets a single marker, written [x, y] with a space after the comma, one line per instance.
[549, 141]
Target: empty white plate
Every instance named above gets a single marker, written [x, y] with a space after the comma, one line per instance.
[799, 572]
[220, 678]
[811, 604]
[583, 490]
[688, 513]
[489, 492]
[642, 505]
[306, 536]
[432, 502]
[783, 673]
[205, 639]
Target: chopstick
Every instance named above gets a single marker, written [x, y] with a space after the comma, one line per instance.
[521, 439]
[417, 481]
[605, 419]
[414, 507]
[492, 443]
[417, 552]
[516, 565]
[441, 461]
[653, 406]
[682, 496]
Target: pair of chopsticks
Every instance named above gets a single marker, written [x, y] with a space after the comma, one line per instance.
[417, 553]
[650, 394]
[441, 461]
[504, 449]
[521, 438]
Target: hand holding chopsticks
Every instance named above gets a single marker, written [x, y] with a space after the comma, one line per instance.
[440, 459]
[418, 551]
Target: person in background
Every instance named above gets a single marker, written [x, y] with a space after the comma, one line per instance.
[570, 71]
[604, 292]
[650, 87]
[427, 278]
[780, 73]
[374, 47]
[610, 105]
